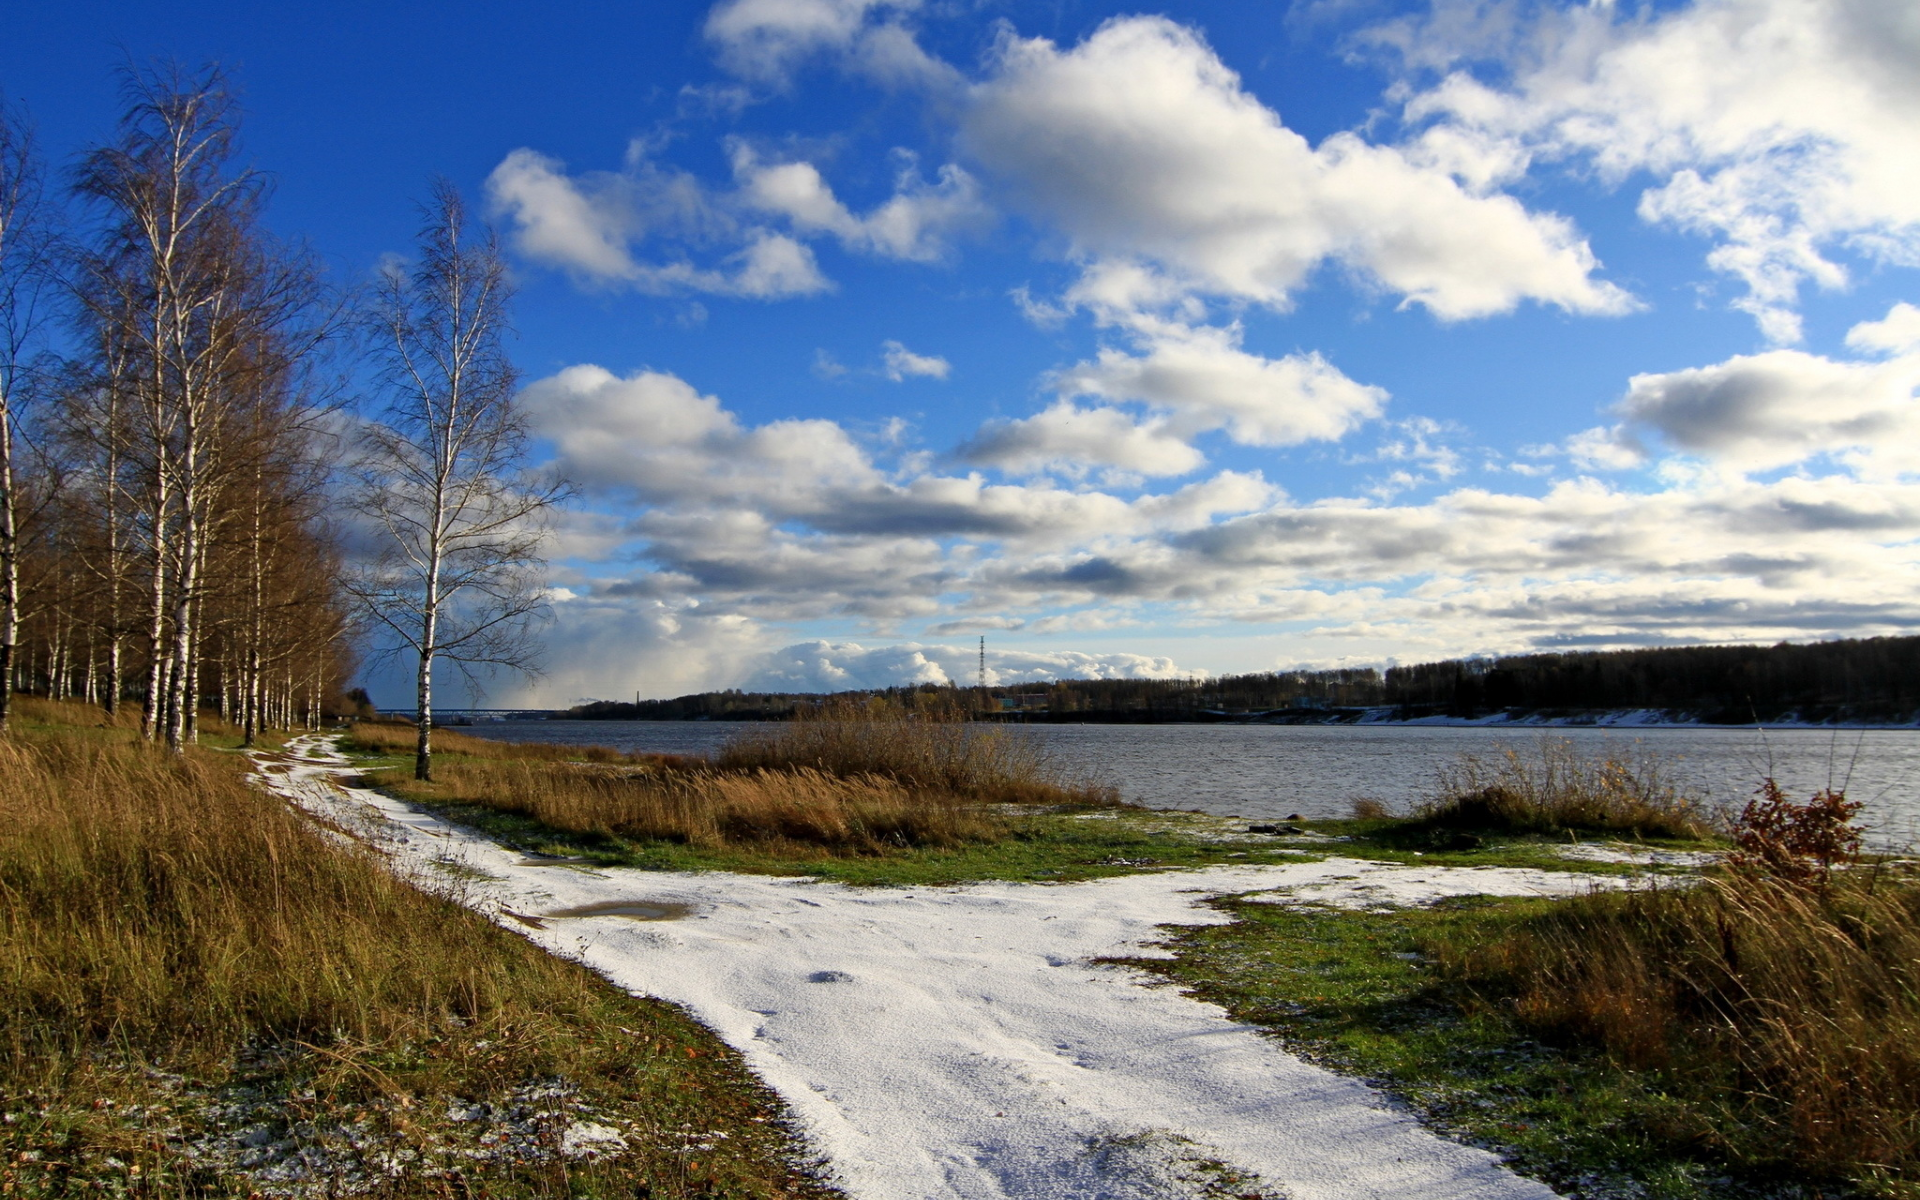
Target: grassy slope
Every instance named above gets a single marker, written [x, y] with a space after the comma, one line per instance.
[1680, 1043]
[190, 976]
[1357, 991]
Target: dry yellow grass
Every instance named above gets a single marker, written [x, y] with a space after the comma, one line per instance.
[845, 778]
[1556, 788]
[787, 809]
[933, 746]
[38, 710]
[1794, 1009]
[165, 930]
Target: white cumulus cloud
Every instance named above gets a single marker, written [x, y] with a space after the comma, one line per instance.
[1782, 129]
[1069, 439]
[765, 40]
[587, 226]
[1785, 406]
[822, 666]
[914, 224]
[1141, 145]
[1895, 333]
[1206, 381]
[902, 363]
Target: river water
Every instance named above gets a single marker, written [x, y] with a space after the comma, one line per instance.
[1269, 772]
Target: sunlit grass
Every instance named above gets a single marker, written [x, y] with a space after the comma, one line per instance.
[171, 939]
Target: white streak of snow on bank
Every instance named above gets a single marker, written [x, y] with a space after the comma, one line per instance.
[959, 1042]
[1379, 886]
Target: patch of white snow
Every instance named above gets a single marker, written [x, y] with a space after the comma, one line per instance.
[1639, 856]
[1377, 887]
[962, 1042]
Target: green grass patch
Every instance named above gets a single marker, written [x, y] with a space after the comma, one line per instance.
[1360, 993]
[1415, 842]
[1035, 848]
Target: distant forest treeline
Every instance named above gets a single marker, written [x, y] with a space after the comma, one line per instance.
[1876, 678]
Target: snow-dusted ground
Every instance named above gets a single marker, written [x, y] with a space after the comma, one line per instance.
[961, 1042]
[1639, 856]
[1346, 883]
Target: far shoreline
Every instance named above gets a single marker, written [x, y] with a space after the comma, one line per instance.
[1376, 717]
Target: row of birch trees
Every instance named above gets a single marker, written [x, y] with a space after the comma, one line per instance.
[164, 536]
[177, 486]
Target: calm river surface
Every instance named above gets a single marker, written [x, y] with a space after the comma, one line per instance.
[1266, 772]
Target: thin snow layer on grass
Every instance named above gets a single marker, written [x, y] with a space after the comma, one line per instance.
[1640, 856]
[963, 1042]
[1371, 886]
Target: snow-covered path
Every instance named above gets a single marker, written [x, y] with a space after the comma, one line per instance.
[958, 1042]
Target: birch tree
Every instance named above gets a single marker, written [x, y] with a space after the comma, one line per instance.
[208, 314]
[25, 258]
[459, 576]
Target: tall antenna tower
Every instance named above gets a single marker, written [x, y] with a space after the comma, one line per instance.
[983, 662]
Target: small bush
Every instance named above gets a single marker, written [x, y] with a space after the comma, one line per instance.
[1799, 843]
[1557, 789]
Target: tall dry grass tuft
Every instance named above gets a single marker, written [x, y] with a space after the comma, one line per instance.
[159, 903]
[932, 747]
[40, 710]
[1556, 788]
[797, 806]
[1790, 1014]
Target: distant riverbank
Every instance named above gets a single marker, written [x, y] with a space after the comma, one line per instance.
[1839, 717]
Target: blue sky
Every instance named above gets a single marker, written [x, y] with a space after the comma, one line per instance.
[1220, 338]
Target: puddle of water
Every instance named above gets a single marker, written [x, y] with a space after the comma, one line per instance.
[544, 860]
[633, 910]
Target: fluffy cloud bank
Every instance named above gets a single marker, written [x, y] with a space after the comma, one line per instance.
[1138, 144]
[1782, 129]
[1771, 494]
[1762, 411]
[822, 666]
[588, 226]
[1142, 145]
[719, 534]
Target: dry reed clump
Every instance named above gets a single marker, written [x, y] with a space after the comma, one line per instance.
[710, 808]
[1787, 1017]
[165, 929]
[930, 748]
[1557, 788]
